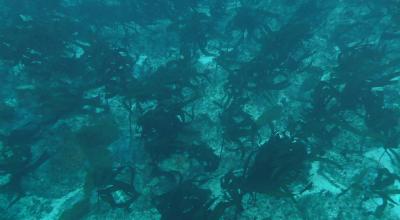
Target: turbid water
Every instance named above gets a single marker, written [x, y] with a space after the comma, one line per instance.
[192, 110]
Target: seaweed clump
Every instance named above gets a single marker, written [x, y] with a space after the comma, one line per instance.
[358, 86]
[250, 21]
[375, 183]
[188, 201]
[279, 163]
[160, 130]
[274, 169]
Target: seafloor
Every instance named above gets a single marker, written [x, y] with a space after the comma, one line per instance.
[191, 110]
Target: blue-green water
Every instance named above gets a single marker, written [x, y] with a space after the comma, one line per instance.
[192, 110]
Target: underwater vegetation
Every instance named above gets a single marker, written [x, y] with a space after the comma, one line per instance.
[271, 170]
[187, 109]
[188, 201]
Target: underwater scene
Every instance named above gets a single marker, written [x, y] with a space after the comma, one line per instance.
[199, 109]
